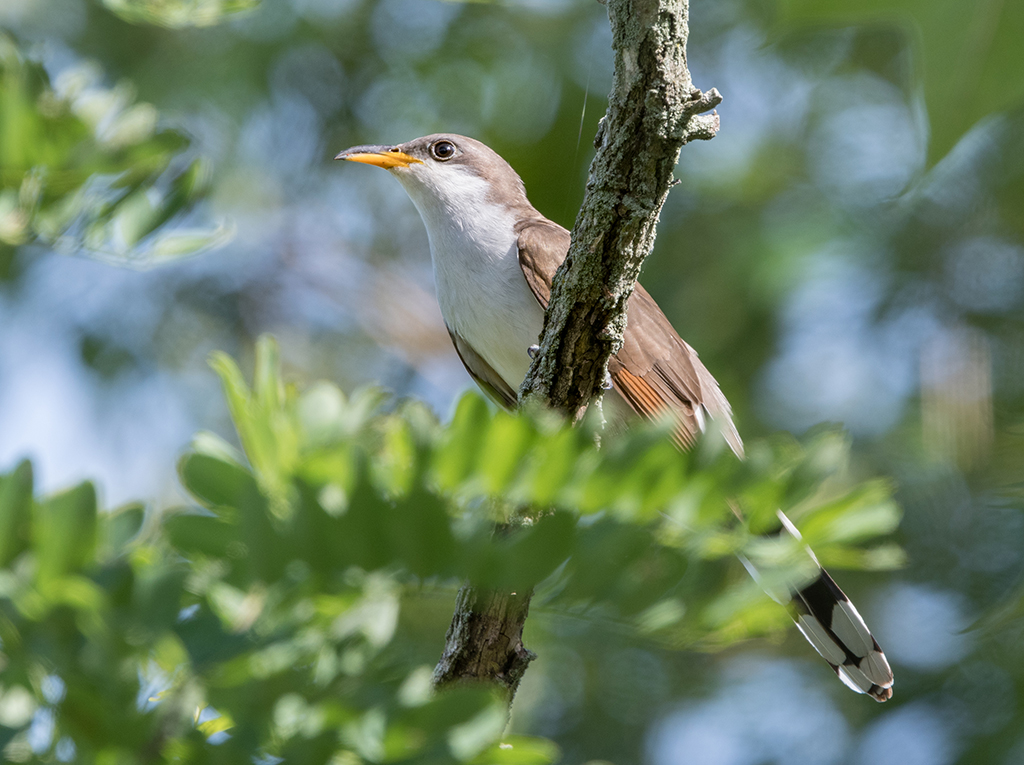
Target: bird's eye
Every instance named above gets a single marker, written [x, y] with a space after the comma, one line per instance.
[442, 150]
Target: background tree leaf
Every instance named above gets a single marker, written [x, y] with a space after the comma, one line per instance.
[179, 13]
[85, 167]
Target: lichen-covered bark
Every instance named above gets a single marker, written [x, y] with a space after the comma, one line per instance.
[653, 110]
[485, 639]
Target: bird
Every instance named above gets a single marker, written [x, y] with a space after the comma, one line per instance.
[494, 257]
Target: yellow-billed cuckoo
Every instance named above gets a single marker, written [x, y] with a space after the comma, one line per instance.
[494, 258]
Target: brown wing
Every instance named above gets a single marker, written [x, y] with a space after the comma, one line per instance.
[655, 370]
[484, 374]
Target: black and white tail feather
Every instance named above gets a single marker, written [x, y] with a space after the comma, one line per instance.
[832, 624]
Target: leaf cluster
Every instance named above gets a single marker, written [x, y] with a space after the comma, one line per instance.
[268, 621]
[86, 166]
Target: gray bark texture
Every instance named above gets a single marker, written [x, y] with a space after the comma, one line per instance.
[485, 639]
[653, 110]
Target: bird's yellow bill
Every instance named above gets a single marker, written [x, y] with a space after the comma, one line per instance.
[385, 159]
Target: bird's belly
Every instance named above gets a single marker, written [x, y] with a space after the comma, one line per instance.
[499, 318]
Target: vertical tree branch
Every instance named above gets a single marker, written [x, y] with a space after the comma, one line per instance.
[485, 639]
[653, 110]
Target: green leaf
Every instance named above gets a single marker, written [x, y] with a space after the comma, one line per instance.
[621, 565]
[64, 532]
[519, 750]
[185, 242]
[265, 419]
[119, 527]
[552, 463]
[268, 388]
[397, 461]
[522, 557]
[321, 410]
[469, 740]
[463, 441]
[15, 511]
[500, 455]
[200, 534]
[179, 14]
[211, 445]
[156, 604]
[216, 482]
[865, 512]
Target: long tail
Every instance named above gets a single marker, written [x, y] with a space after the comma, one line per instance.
[832, 624]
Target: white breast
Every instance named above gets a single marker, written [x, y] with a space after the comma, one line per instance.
[481, 289]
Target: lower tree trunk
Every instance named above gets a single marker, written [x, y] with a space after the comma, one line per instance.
[485, 639]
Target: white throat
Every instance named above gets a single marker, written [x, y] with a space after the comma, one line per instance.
[481, 289]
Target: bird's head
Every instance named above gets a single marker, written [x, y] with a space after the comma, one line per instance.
[446, 175]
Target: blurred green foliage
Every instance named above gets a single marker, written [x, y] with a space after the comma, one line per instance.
[262, 623]
[968, 55]
[83, 165]
[178, 13]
